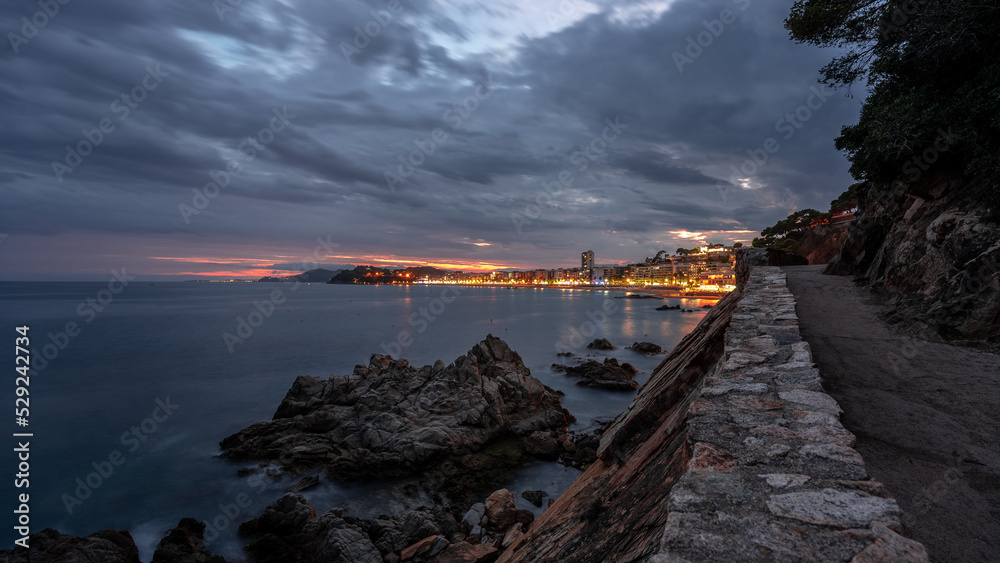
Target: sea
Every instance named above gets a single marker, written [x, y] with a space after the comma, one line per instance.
[132, 387]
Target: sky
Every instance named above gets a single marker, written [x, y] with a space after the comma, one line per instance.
[242, 138]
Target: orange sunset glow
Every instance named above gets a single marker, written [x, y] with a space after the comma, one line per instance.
[229, 268]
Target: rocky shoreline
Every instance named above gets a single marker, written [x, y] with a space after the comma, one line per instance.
[457, 429]
[391, 419]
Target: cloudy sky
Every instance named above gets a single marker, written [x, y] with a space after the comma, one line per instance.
[231, 137]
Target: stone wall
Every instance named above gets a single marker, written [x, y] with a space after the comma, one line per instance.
[731, 452]
[773, 473]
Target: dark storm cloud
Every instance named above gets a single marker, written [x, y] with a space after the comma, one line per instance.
[675, 166]
[657, 168]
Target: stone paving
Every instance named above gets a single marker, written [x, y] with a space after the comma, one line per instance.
[773, 475]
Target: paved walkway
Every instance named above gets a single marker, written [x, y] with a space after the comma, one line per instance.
[926, 415]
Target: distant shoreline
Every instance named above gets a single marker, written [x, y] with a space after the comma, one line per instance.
[655, 290]
[658, 291]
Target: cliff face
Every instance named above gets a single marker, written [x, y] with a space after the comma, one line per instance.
[933, 248]
[822, 243]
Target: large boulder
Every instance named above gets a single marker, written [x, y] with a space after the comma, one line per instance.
[609, 375]
[389, 418]
[50, 546]
[601, 344]
[500, 509]
[290, 531]
[646, 348]
[184, 544]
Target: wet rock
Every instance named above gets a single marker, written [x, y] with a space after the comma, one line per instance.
[646, 348]
[534, 497]
[419, 524]
[419, 548]
[601, 344]
[525, 517]
[512, 535]
[464, 552]
[668, 308]
[609, 375]
[389, 418]
[473, 517]
[542, 445]
[183, 544]
[49, 546]
[289, 530]
[500, 511]
[304, 484]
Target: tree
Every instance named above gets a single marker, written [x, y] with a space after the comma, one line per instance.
[796, 221]
[787, 233]
[932, 69]
[847, 200]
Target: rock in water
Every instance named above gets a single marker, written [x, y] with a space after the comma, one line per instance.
[534, 497]
[289, 530]
[389, 418]
[49, 546]
[184, 544]
[646, 348]
[601, 344]
[609, 375]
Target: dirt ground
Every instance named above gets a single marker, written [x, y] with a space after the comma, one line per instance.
[927, 415]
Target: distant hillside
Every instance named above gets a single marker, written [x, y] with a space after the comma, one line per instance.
[376, 275]
[319, 275]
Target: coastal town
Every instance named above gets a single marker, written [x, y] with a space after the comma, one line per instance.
[701, 271]
[707, 268]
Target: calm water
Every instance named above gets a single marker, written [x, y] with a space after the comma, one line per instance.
[99, 393]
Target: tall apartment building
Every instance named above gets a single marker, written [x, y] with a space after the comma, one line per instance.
[587, 263]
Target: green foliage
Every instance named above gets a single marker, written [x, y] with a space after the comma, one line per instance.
[795, 222]
[848, 199]
[787, 233]
[933, 72]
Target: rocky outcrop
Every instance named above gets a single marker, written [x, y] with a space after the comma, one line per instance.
[290, 530]
[50, 546]
[609, 375]
[183, 544]
[647, 348]
[389, 418]
[601, 344]
[822, 243]
[933, 248]
[576, 448]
